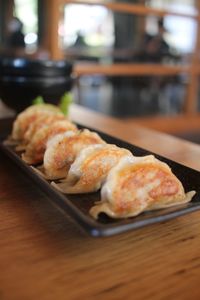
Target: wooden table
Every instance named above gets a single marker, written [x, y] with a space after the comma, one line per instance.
[43, 255]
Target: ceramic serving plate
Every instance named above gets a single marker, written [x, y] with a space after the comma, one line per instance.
[77, 206]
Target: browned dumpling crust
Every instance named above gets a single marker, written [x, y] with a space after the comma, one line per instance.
[42, 121]
[28, 116]
[90, 168]
[34, 151]
[139, 184]
[62, 150]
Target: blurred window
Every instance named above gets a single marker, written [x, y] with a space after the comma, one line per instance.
[93, 32]
[180, 31]
[85, 24]
[26, 11]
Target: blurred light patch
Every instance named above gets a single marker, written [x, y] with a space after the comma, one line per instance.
[30, 38]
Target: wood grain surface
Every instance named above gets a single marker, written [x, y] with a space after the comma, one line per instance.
[43, 255]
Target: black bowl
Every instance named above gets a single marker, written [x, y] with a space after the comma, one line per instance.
[18, 93]
[22, 80]
[32, 68]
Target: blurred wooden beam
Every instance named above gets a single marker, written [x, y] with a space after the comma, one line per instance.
[193, 86]
[53, 14]
[128, 69]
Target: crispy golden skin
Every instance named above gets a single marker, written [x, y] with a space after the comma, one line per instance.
[25, 118]
[90, 168]
[137, 185]
[35, 149]
[62, 150]
[40, 122]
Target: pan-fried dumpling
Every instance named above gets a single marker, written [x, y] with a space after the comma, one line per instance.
[40, 122]
[90, 168]
[62, 150]
[139, 184]
[25, 118]
[35, 149]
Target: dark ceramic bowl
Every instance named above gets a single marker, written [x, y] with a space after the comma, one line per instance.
[23, 80]
[18, 93]
[32, 68]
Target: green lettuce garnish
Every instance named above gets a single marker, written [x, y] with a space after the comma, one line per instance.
[38, 100]
[65, 103]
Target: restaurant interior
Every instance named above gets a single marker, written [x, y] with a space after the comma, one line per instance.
[136, 60]
[99, 190]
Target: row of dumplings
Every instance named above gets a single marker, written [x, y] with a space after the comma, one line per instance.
[82, 162]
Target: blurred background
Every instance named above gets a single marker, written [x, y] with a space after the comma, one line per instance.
[134, 59]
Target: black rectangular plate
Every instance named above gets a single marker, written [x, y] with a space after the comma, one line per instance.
[77, 206]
